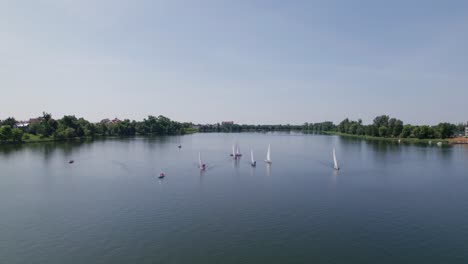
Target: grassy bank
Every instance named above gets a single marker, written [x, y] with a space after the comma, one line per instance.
[403, 140]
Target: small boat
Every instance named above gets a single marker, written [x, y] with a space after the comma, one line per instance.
[399, 141]
[71, 161]
[161, 175]
[180, 146]
[238, 154]
[335, 162]
[430, 142]
[268, 158]
[253, 163]
[233, 154]
[439, 144]
[201, 165]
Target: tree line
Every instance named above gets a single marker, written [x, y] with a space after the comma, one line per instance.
[246, 128]
[384, 126]
[70, 126]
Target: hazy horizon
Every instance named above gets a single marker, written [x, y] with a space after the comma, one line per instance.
[251, 62]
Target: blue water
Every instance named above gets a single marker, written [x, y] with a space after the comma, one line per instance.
[389, 203]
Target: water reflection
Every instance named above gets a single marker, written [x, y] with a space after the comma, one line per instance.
[334, 178]
[48, 150]
[268, 169]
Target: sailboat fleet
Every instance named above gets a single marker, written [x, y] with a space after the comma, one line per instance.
[236, 154]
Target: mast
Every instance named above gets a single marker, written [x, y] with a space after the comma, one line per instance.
[268, 159]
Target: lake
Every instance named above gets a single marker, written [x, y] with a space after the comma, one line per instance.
[389, 203]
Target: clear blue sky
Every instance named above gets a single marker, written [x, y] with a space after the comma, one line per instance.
[246, 61]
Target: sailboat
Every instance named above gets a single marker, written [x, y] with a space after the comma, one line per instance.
[268, 158]
[234, 152]
[201, 165]
[238, 154]
[335, 163]
[253, 163]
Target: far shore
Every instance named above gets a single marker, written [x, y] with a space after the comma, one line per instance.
[391, 139]
[458, 140]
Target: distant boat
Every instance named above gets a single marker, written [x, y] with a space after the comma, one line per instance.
[335, 162]
[238, 154]
[71, 161]
[430, 142]
[253, 163]
[268, 158]
[161, 175]
[233, 154]
[439, 144]
[399, 140]
[201, 165]
[180, 146]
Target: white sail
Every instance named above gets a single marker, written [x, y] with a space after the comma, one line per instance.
[237, 150]
[335, 162]
[268, 158]
[251, 156]
[233, 151]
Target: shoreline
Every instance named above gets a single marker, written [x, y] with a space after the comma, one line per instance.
[37, 139]
[395, 140]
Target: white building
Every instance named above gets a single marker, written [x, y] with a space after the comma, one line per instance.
[466, 131]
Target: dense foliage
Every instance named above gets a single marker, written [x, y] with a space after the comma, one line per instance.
[384, 126]
[69, 126]
[72, 127]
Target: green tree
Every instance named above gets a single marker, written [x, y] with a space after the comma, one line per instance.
[415, 132]
[70, 132]
[445, 130]
[382, 120]
[5, 133]
[424, 132]
[16, 135]
[34, 128]
[372, 130]
[406, 131]
[48, 125]
[10, 121]
[383, 131]
[352, 129]
[397, 128]
[343, 126]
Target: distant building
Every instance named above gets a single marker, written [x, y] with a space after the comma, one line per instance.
[35, 120]
[227, 123]
[466, 131]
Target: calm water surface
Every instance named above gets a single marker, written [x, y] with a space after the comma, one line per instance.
[388, 204]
